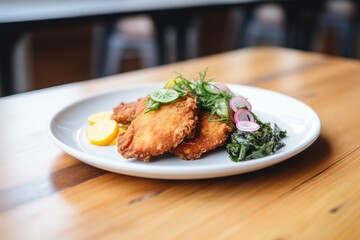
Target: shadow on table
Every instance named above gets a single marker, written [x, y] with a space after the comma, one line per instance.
[287, 175]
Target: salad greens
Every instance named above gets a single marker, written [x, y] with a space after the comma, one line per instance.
[208, 95]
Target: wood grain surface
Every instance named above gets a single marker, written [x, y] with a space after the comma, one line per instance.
[47, 194]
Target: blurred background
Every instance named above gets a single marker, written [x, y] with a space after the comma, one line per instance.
[55, 53]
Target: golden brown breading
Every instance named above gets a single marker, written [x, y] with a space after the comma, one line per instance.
[209, 135]
[156, 132]
[124, 113]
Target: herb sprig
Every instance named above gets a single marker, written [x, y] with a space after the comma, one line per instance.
[208, 96]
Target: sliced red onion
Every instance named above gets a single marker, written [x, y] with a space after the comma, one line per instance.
[247, 126]
[239, 102]
[243, 115]
[223, 87]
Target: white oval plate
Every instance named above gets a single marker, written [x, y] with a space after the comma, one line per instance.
[67, 130]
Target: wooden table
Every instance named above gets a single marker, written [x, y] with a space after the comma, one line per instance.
[47, 194]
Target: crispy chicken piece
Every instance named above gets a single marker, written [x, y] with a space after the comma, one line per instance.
[208, 136]
[153, 133]
[124, 113]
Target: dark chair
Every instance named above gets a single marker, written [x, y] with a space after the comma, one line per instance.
[130, 34]
[339, 20]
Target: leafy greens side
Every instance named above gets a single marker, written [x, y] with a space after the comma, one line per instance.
[261, 143]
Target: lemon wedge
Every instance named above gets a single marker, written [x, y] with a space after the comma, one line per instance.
[97, 117]
[103, 132]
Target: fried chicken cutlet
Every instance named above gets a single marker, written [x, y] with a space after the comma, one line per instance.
[153, 133]
[208, 136]
[124, 113]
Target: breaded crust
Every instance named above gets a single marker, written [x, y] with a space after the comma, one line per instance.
[124, 113]
[153, 133]
[208, 136]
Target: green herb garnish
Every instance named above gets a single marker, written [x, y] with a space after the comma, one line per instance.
[208, 96]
